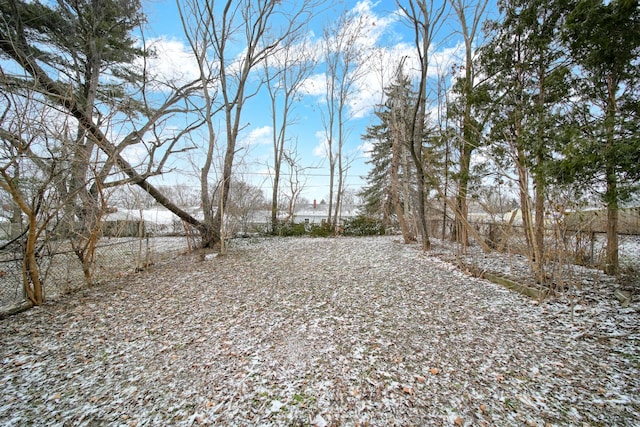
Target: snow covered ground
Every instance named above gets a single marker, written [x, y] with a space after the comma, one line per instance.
[345, 331]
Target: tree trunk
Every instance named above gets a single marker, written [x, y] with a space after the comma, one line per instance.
[422, 213]
[533, 255]
[612, 262]
[538, 246]
[611, 194]
[332, 173]
[396, 153]
[462, 236]
[30, 271]
[274, 197]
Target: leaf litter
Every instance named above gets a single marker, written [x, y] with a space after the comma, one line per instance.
[323, 332]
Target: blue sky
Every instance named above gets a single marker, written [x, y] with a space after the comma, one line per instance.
[385, 33]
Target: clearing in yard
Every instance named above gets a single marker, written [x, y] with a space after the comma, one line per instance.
[300, 331]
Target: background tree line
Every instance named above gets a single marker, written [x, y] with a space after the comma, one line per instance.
[547, 100]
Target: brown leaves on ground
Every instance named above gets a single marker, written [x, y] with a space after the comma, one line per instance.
[315, 332]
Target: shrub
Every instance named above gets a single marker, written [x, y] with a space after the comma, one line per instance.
[322, 230]
[363, 225]
[290, 230]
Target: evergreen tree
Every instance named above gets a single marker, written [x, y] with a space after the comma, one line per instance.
[529, 90]
[604, 41]
[390, 183]
[377, 193]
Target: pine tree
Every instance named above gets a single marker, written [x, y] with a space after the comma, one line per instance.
[390, 183]
[377, 193]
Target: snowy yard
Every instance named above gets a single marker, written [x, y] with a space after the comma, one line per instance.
[345, 331]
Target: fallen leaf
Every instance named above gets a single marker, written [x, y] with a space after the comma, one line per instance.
[408, 389]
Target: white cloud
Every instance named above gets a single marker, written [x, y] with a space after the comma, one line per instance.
[314, 85]
[322, 148]
[373, 32]
[369, 26]
[173, 61]
[258, 136]
[137, 154]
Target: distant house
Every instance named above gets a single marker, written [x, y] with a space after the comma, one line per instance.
[157, 221]
[595, 220]
[317, 213]
[120, 222]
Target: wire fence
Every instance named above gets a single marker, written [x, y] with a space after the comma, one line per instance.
[567, 245]
[61, 270]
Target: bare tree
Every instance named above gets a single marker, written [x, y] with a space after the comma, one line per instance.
[261, 26]
[470, 14]
[197, 22]
[296, 180]
[424, 18]
[285, 73]
[344, 57]
[244, 201]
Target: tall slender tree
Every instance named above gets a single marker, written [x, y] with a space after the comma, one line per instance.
[470, 15]
[390, 179]
[343, 59]
[530, 89]
[424, 18]
[285, 74]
